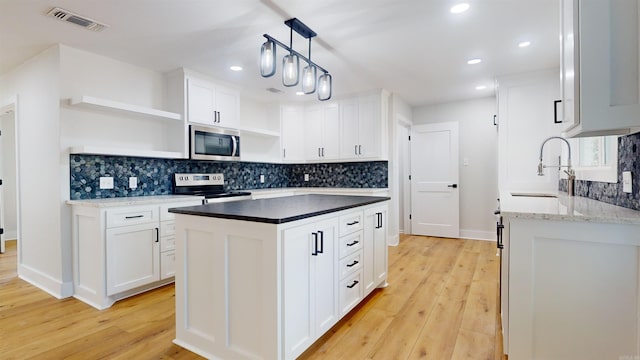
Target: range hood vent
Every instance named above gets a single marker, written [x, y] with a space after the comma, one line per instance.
[68, 16]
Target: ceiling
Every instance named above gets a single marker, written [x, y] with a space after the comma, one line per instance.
[414, 48]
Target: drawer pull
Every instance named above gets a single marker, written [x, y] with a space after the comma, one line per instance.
[353, 243]
[355, 282]
[133, 216]
[353, 223]
[354, 263]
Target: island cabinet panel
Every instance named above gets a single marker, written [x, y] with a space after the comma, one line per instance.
[310, 274]
[375, 248]
[573, 290]
[269, 290]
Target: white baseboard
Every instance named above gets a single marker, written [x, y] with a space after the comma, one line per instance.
[394, 240]
[478, 235]
[10, 234]
[45, 282]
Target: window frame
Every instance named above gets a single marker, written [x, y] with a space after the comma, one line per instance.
[602, 173]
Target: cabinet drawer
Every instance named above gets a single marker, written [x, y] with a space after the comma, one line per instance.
[131, 216]
[351, 222]
[167, 243]
[350, 264]
[350, 244]
[167, 228]
[167, 264]
[350, 292]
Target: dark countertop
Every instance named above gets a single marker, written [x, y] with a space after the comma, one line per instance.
[279, 210]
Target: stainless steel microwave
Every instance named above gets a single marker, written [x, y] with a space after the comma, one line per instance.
[208, 143]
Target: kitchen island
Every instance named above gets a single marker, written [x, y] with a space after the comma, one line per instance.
[264, 279]
[570, 279]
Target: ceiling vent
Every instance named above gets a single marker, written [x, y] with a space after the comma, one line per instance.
[274, 90]
[68, 16]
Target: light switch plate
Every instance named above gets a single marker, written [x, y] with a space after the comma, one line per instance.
[133, 182]
[627, 183]
[106, 182]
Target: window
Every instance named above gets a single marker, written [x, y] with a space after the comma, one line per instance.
[595, 158]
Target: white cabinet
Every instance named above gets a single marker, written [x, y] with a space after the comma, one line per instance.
[292, 133]
[525, 120]
[322, 132]
[211, 104]
[309, 284]
[600, 46]
[573, 290]
[132, 257]
[119, 251]
[375, 248]
[361, 128]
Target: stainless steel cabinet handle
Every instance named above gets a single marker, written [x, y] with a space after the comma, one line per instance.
[354, 283]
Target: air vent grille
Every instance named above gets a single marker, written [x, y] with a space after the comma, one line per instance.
[68, 16]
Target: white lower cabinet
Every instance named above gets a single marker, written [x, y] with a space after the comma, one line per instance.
[375, 248]
[309, 284]
[119, 251]
[132, 257]
[252, 290]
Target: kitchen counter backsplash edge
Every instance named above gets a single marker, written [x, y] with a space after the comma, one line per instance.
[154, 175]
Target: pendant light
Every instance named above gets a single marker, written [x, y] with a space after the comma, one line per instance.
[324, 87]
[291, 63]
[268, 59]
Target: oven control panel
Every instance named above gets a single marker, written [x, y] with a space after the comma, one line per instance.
[198, 179]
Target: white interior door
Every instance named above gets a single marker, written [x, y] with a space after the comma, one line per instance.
[434, 180]
[404, 185]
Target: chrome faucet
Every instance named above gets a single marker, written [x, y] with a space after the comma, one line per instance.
[571, 174]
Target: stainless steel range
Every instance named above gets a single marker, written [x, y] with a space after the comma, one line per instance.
[211, 186]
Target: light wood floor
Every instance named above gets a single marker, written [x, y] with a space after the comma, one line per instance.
[441, 304]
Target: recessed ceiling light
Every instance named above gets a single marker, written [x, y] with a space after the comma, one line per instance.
[524, 44]
[474, 61]
[236, 68]
[481, 87]
[299, 93]
[459, 8]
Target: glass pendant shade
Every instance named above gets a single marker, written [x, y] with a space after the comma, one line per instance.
[309, 79]
[290, 69]
[268, 59]
[324, 87]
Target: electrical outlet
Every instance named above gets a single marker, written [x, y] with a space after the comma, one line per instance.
[306, 177]
[106, 182]
[133, 182]
[261, 179]
[627, 183]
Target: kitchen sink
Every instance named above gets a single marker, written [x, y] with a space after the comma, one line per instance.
[534, 194]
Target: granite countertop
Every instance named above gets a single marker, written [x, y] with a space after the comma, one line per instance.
[279, 210]
[134, 200]
[565, 208]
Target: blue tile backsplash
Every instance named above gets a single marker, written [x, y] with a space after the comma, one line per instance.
[628, 147]
[154, 175]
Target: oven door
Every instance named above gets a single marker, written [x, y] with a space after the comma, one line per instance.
[214, 144]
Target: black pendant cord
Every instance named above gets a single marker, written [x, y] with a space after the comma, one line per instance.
[309, 52]
[290, 40]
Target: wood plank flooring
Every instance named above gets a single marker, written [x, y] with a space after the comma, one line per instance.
[441, 304]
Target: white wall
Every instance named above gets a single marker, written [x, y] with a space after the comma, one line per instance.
[478, 145]
[8, 172]
[42, 244]
[399, 112]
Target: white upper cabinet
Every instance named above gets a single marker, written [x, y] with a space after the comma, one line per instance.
[361, 128]
[599, 67]
[322, 132]
[292, 134]
[212, 104]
